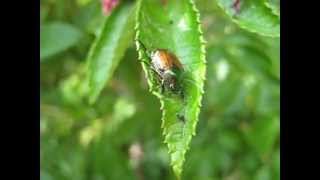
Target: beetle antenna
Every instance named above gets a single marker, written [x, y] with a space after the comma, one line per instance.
[144, 47]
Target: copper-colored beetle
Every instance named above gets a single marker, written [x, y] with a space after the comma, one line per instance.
[167, 66]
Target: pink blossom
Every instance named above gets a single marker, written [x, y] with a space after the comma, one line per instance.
[108, 5]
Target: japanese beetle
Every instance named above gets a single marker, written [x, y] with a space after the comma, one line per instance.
[167, 67]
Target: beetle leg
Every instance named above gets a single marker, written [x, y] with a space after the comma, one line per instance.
[157, 74]
[181, 93]
[162, 87]
[158, 78]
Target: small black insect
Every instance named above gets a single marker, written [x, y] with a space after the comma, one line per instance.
[181, 117]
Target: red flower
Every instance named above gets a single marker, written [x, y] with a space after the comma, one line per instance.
[108, 5]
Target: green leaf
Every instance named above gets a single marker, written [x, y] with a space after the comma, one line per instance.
[263, 173]
[109, 47]
[274, 5]
[175, 26]
[45, 176]
[253, 15]
[276, 164]
[263, 134]
[83, 2]
[57, 37]
[44, 11]
[90, 18]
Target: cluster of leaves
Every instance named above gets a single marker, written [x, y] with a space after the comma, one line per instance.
[99, 122]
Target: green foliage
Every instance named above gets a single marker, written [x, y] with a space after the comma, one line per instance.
[120, 135]
[262, 135]
[89, 18]
[109, 47]
[253, 15]
[57, 37]
[178, 30]
[274, 5]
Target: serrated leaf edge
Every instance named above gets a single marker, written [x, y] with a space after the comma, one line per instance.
[244, 26]
[177, 168]
[273, 10]
[94, 45]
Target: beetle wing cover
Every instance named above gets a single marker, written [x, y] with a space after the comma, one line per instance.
[176, 62]
[170, 59]
[165, 59]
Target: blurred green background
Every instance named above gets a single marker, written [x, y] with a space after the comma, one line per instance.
[119, 137]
